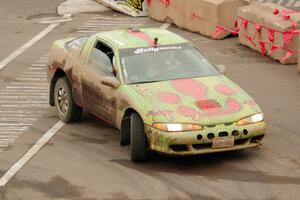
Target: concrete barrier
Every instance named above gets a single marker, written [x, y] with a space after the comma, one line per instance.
[201, 16]
[271, 30]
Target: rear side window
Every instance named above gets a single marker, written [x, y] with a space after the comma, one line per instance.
[76, 45]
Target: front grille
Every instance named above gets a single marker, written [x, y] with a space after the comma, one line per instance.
[241, 141]
[178, 147]
[257, 139]
[202, 146]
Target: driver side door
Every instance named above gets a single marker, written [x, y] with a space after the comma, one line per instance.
[98, 97]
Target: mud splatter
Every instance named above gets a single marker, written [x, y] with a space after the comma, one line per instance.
[123, 104]
[162, 112]
[97, 102]
[83, 138]
[56, 188]
[40, 15]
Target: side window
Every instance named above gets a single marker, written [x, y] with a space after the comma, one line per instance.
[76, 45]
[101, 59]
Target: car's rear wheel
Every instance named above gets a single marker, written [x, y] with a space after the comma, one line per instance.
[138, 139]
[66, 109]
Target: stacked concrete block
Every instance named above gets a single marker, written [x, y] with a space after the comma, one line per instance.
[201, 16]
[271, 30]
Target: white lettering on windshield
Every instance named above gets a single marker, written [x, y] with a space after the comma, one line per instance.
[156, 49]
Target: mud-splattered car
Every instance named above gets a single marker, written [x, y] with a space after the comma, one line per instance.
[157, 88]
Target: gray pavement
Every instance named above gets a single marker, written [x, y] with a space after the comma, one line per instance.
[84, 161]
[291, 4]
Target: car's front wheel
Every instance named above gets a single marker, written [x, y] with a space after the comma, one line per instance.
[138, 139]
[66, 109]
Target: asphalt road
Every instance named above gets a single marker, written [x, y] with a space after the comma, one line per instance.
[291, 4]
[84, 161]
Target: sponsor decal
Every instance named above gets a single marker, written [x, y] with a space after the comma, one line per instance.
[156, 49]
[136, 4]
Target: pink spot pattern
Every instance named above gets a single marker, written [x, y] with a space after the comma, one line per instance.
[169, 97]
[190, 87]
[206, 107]
[224, 89]
[233, 105]
[142, 36]
[208, 104]
[188, 112]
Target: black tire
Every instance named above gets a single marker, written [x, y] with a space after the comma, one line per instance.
[138, 139]
[67, 111]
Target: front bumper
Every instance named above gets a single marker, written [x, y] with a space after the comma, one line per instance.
[200, 142]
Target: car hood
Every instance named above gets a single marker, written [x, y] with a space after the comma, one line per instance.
[205, 100]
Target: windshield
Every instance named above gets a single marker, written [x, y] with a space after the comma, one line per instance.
[152, 64]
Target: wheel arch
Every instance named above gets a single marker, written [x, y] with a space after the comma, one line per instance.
[59, 73]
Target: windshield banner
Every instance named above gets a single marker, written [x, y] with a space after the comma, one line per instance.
[134, 8]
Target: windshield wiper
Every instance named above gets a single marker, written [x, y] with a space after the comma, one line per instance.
[146, 82]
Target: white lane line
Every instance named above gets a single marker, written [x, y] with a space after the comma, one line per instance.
[30, 72]
[25, 106]
[7, 134]
[19, 116]
[165, 26]
[23, 111]
[38, 65]
[12, 119]
[107, 27]
[114, 25]
[23, 95]
[30, 153]
[42, 61]
[13, 129]
[86, 31]
[290, 3]
[15, 124]
[26, 83]
[31, 79]
[28, 44]
[11, 97]
[33, 76]
[35, 68]
[37, 91]
[23, 102]
[280, 2]
[26, 87]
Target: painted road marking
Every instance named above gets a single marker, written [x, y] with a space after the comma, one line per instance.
[39, 65]
[28, 44]
[30, 153]
[103, 23]
[165, 26]
[29, 94]
[290, 3]
[294, 4]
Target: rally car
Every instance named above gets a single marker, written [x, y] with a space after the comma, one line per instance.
[157, 88]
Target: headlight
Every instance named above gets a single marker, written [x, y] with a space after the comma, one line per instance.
[252, 119]
[177, 127]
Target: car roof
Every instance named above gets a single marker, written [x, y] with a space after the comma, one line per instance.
[135, 38]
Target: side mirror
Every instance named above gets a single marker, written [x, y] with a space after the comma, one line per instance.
[110, 82]
[222, 69]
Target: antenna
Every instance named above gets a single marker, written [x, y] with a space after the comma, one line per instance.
[155, 42]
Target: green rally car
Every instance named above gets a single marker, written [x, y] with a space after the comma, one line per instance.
[157, 88]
